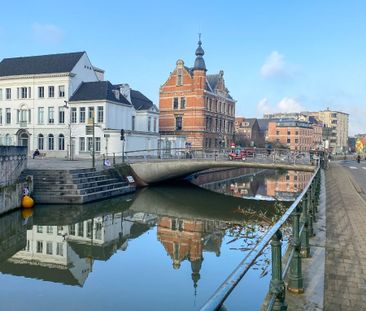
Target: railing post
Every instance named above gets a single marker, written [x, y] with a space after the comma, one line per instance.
[317, 191]
[296, 282]
[310, 210]
[277, 286]
[305, 247]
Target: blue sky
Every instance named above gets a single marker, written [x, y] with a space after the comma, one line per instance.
[276, 55]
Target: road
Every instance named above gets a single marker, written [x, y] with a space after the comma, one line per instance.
[345, 250]
[358, 172]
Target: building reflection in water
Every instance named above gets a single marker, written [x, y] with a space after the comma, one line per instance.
[262, 185]
[186, 239]
[65, 254]
[61, 243]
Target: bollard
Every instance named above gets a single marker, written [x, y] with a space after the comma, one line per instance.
[277, 285]
[295, 278]
[114, 158]
[305, 247]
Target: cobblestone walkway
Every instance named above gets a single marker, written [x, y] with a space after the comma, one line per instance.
[345, 252]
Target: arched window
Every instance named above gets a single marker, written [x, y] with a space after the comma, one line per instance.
[7, 140]
[61, 142]
[51, 142]
[40, 142]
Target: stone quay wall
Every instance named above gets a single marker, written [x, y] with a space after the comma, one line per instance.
[13, 160]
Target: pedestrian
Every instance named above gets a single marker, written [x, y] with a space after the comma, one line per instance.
[36, 153]
[25, 191]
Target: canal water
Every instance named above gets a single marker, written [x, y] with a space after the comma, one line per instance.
[163, 248]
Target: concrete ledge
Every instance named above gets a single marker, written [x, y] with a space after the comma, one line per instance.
[149, 173]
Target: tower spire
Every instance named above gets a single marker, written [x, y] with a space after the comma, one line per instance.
[199, 63]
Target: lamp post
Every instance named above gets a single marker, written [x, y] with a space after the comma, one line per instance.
[66, 105]
[93, 154]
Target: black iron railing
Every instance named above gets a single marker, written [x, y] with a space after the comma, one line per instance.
[302, 212]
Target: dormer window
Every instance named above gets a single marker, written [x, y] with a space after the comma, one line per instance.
[179, 77]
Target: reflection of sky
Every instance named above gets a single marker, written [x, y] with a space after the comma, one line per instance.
[140, 278]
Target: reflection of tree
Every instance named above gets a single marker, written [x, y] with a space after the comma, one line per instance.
[250, 234]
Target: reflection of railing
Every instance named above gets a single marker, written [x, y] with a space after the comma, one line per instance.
[306, 206]
[260, 155]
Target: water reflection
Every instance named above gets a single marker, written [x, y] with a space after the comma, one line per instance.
[258, 184]
[62, 244]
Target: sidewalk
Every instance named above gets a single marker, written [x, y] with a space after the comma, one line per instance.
[313, 268]
[345, 250]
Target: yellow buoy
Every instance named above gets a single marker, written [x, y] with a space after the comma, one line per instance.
[27, 202]
[26, 213]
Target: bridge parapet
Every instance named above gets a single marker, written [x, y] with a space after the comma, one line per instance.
[158, 171]
[260, 155]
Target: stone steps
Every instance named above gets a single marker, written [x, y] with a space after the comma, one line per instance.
[71, 186]
[81, 199]
[76, 191]
[76, 186]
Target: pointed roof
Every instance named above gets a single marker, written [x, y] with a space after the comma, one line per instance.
[213, 80]
[199, 63]
[140, 101]
[32, 65]
[98, 90]
[263, 124]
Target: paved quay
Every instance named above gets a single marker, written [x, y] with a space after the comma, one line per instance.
[61, 164]
[345, 249]
[313, 267]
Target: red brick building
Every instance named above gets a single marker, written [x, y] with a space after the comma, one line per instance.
[187, 239]
[294, 134]
[197, 106]
[247, 132]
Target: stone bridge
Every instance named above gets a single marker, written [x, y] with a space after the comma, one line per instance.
[147, 173]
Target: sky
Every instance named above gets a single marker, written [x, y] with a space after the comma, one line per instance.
[277, 56]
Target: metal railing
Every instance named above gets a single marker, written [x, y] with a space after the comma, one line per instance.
[305, 206]
[260, 155]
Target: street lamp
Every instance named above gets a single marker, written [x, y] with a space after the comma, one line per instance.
[66, 105]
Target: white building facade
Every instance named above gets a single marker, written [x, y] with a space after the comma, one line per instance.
[47, 102]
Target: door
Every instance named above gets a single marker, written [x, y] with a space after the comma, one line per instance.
[24, 140]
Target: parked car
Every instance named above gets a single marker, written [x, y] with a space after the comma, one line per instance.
[241, 154]
[236, 155]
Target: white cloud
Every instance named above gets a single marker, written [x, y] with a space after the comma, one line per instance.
[263, 106]
[47, 33]
[275, 66]
[286, 104]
